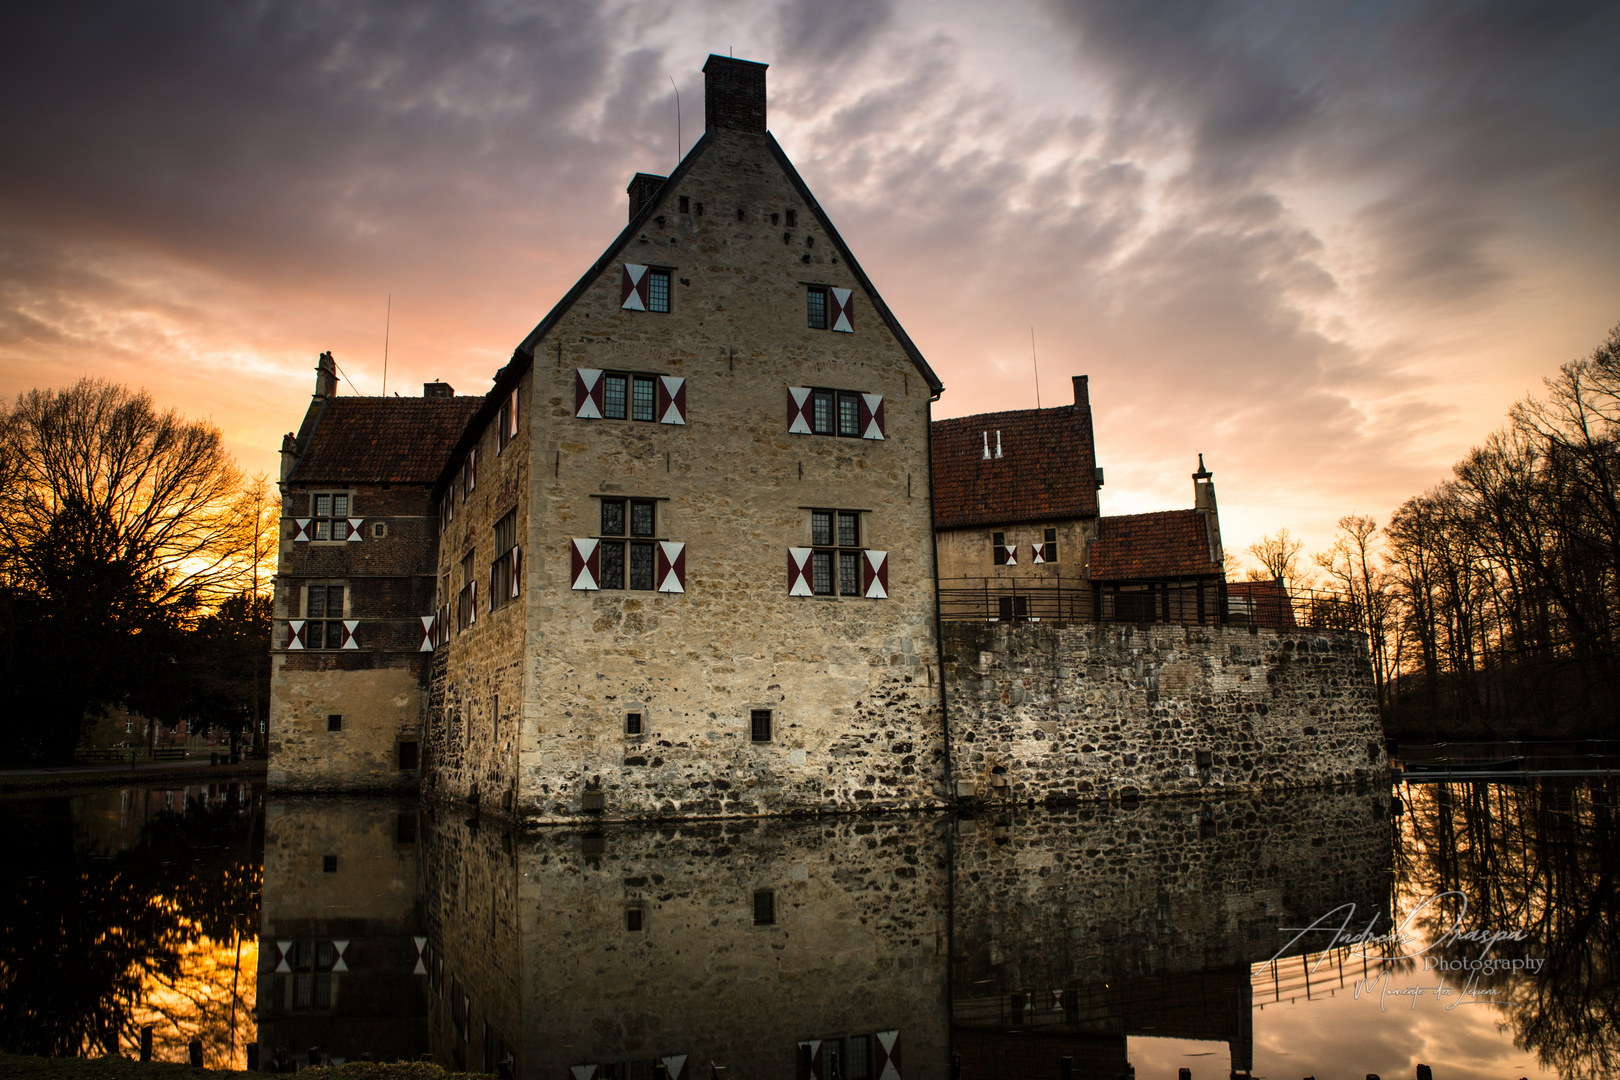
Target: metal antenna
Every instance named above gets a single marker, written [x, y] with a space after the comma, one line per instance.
[388, 324]
[677, 121]
[1032, 360]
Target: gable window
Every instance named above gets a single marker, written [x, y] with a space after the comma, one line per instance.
[814, 410]
[830, 308]
[628, 563]
[330, 511]
[323, 610]
[1047, 550]
[629, 395]
[503, 572]
[816, 300]
[644, 288]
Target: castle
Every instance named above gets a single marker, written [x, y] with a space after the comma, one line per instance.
[700, 551]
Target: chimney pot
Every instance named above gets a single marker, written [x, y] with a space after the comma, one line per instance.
[643, 186]
[326, 376]
[734, 95]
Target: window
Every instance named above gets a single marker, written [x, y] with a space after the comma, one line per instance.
[323, 608]
[998, 548]
[822, 411]
[686, 204]
[467, 598]
[408, 756]
[312, 964]
[835, 412]
[503, 572]
[817, 301]
[792, 219]
[632, 723]
[628, 563]
[835, 536]
[329, 864]
[628, 397]
[1051, 548]
[658, 290]
[334, 722]
[469, 473]
[331, 513]
[764, 908]
[632, 920]
[759, 725]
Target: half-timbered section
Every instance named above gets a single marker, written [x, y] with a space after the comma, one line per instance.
[685, 561]
[354, 596]
[1015, 509]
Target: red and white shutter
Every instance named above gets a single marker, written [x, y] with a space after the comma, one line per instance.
[675, 1066]
[671, 400]
[809, 1065]
[871, 416]
[633, 288]
[427, 634]
[843, 310]
[875, 575]
[1037, 553]
[671, 567]
[472, 601]
[349, 627]
[887, 1055]
[801, 572]
[798, 411]
[301, 529]
[583, 1072]
[1011, 551]
[295, 633]
[517, 569]
[355, 529]
[588, 393]
[586, 568]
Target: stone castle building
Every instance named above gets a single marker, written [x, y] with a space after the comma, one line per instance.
[690, 556]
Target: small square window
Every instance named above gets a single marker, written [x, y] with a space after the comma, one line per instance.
[792, 219]
[407, 756]
[632, 920]
[686, 204]
[764, 908]
[329, 864]
[334, 722]
[632, 723]
[759, 725]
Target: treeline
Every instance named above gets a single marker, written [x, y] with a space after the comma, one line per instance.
[1490, 601]
[132, 556]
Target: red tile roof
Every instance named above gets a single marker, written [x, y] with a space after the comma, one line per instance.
[382, 440]
[1047, 471]
[1167, 544]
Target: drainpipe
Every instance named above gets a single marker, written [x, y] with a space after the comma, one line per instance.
[939, 634]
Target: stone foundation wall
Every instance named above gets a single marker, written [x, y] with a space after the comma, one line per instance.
[1094, 712]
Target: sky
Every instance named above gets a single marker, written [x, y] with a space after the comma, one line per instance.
[1325, 245]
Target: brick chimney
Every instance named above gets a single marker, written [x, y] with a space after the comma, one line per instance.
[326, 376]
[1204, 502]
[734, 95]
[438, 389]
[643, 186]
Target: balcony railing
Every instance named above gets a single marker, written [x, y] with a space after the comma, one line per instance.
[1186, 603]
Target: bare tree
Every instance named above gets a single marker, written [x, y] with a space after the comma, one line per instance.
[1278, 556]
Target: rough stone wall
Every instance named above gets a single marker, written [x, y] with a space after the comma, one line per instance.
[377, 688]
[1087, 712]
[851, 681]
[858, 945]
[373, 902]
[471, 751]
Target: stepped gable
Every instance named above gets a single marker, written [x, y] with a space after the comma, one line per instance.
[1165, 544]
[383, 440]
[1046, 472]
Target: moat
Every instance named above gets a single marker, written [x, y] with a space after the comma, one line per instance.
[1471, 927]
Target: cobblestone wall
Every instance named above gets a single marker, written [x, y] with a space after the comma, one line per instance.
[1091, 712]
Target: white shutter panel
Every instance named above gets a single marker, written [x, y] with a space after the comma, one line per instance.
[295, 633]
[301, 529]
[354, 529]
[875, 567]
[586, 568]
[588, 393]
[671, 400]
[1037, 553]
[888, 1055]
[517, 568]
[798, 409]
[843, 310]
[1012, 553]
[800, 571]
[871, 416]
[427, 637]
[349, 627]
[671, 567]
[633, 288]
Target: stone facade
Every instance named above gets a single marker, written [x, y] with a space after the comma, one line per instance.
[1051, 713]
[850, 682]
[342, 914]
[534, 953]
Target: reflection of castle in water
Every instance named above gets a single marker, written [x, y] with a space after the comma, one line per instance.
[876, 948]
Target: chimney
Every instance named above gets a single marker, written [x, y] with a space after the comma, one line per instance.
[734, 95]
[289, 454]
[1204, 502]
[1081, 397]
[326, 376]
[643, 186]
[438, 389]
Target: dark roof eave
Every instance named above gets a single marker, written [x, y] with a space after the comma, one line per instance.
[961, 525]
